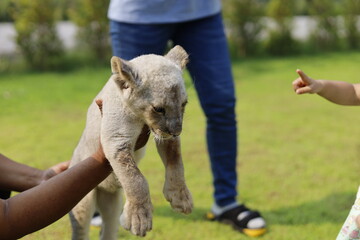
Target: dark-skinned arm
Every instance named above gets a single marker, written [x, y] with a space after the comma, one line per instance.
[42, 205]
[20, 177]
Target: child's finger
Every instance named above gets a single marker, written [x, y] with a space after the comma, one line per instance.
[304, 77]
[298, 83]
[303, 90]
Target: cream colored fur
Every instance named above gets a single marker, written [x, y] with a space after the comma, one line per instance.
[144, 94]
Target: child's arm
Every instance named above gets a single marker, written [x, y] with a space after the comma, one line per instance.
[338, 92]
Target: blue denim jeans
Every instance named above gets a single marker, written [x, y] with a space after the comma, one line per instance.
[210, 68]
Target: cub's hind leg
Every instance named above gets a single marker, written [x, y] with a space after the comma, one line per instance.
[80, 217]
[110, 207]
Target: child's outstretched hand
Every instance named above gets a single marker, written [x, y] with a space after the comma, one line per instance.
[305, 84]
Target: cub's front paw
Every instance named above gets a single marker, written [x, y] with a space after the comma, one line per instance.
[137, 218]
[179, 198]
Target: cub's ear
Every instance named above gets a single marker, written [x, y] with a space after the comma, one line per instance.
[178, 55]
[123, 72]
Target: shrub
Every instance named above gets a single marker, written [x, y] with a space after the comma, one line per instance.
[351, 12]
[91, 18]
[325, 36]
[36, 34]
[280, 41]
[4, 13]
[244, 24]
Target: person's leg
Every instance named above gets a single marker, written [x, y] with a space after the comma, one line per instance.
[132, 40]
[351, 226]
[210, 68]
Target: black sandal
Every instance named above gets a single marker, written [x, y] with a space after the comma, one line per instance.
[231, 217]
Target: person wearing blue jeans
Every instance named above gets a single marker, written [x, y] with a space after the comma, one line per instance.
[140, 27]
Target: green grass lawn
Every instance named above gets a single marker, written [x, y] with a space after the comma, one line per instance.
[298, 158]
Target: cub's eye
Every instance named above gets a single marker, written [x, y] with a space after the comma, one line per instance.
[159, 110]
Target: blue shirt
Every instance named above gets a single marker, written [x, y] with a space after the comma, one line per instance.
[161, 11]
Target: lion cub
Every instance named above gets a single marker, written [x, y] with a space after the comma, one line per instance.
[146, 94]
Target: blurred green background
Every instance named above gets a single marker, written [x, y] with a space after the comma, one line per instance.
[255, 28]
[298, 159]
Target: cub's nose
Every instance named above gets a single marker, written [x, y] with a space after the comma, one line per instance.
[175, 132]
[175, 135]
[175, 128]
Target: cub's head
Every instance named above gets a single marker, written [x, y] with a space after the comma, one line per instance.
[152, 87]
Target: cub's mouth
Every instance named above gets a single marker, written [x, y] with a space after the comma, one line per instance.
[162, 135]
